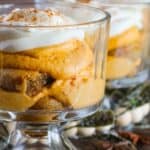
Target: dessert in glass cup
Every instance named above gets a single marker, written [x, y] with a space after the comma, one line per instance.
[128, 41]
[51, 67]
[127, 46]
[128, 60]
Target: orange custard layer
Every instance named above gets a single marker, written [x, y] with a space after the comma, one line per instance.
[126, 56]
[126, 38]
[52, 78]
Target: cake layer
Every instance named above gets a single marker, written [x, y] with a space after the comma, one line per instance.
[118, 67]
[78, 92]
[126, 38]
[14, 101]
[23, 81]
[60, 61]
[73, 93]
[130, 51]
[48, 103]
[21, 89]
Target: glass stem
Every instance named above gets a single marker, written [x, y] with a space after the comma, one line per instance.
[28, 135]
[49, 136]
[54, 137]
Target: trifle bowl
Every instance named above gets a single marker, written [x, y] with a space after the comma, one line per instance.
[52, 68]
[128, 47]
[128, 62]
[128, 59]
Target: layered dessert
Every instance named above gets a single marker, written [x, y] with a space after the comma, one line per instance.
[125, 44]
[127, 40]
[44, 65]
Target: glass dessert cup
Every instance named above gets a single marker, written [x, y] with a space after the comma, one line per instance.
[128, 59]
[128, 50]
[52, 68]
[128, 47]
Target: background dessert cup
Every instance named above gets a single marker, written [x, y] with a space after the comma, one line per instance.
[50, 68]
[128, 49]
[128, 55]
[128, 63]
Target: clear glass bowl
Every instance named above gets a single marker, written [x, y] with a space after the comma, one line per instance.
[128, 59]
[128, 50]
[128, 63]
[50, 75]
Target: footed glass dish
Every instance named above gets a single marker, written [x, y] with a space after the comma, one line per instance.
[128, 47]
[52, 68]
[128, 62]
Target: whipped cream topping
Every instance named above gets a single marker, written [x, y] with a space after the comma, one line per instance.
[24, 37]
[124, 18]
[35, 17]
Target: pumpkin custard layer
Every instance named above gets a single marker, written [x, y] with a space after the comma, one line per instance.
[45, 69]
[124, 54]
[125, 42]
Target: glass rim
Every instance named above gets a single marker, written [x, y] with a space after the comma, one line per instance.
[63, 4]
[123, 2]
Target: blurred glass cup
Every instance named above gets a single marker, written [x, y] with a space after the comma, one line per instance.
[128, 60]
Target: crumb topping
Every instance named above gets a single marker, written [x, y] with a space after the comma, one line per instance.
[33, 16]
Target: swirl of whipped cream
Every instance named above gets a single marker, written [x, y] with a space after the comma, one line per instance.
[24, 37]
[124, 18]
